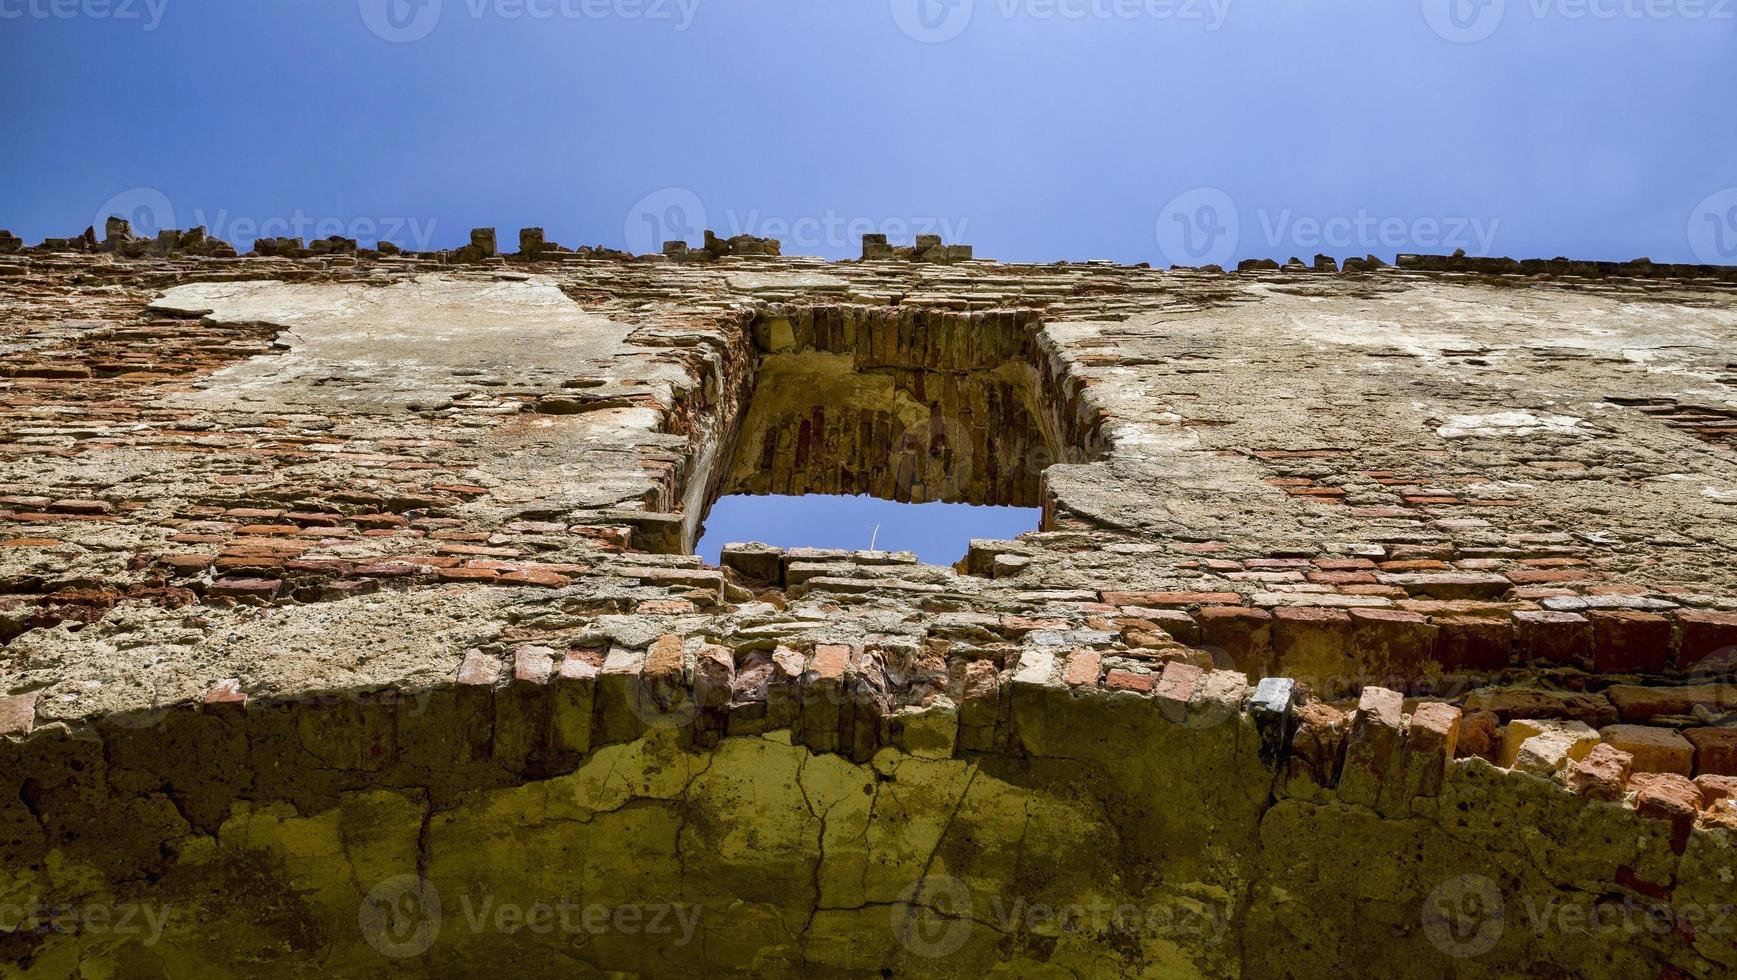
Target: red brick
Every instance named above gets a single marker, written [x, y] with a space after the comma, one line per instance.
[1624, 641]
[479, 670]
[466, 574]
[540, 579]
[17, 714]
[1083, 668]
[1313, 644]
[1715, 750]
[1123, 680]
[1391, 642]
[245, 588]
[1552, 637]
[1245, 635]
[1473, 642]
[1177, 623]
[1668, 796]
[1342, 578]
[665, 661]
[830, 661]
[1162, 599]
[1175, 687]
[1414, 565]
[533, 664]
[1546, 577]
[1707, 640]
[225, 695]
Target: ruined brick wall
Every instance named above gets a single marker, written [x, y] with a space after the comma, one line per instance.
[1381, 620]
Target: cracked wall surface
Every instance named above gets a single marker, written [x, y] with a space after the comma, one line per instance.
[1380, 619]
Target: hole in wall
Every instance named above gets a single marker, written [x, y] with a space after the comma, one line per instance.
[936, 426]
[937, 533]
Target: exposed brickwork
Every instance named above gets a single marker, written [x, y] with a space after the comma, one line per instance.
[239, 566]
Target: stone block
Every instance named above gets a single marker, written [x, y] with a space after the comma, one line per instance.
[1244, 635]
[1541, 636]
[1625, 641]
[1473, 643]
[1083, 669]
[1715, 750]
[1668, 797]
[620, 689]
[1638, 703]
[1431, 738]
[1313, 645]
[1270, 707]
[1602, 775]
[1391, 643]
[929, 731]
[1373, 746]
[523, 710]
[483, 240]
[1544, 746]
[979, 689]
[17, 715]
[1707, 642]
[1317, 743]
[760, 562]
[1653, 749]
[573, 698]
[1175, 688]
[822, 713]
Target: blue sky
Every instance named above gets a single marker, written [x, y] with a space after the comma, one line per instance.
[1137, 130]
[1160, 131]
[938, 533]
